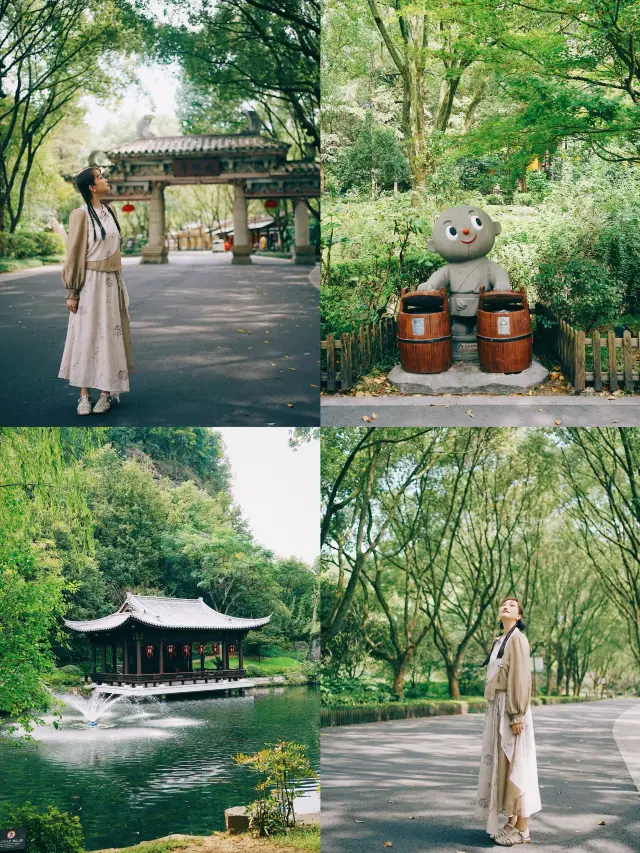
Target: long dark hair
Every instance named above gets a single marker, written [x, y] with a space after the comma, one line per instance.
[84, 180]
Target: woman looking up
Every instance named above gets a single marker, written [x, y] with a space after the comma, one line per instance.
[508, 780]
[97, 352]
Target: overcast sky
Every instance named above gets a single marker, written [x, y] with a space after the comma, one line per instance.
[156, 95]
[277, 488]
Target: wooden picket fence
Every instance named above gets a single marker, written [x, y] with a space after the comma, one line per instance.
[344, 359]
[571, 346]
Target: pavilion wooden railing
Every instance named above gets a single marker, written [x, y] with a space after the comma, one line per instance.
[169, 678]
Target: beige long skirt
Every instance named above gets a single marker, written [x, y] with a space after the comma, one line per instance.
[97, 352]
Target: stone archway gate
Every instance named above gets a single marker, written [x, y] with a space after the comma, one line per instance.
[254, 165]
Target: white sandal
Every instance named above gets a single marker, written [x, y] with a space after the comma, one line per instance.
[103, 405]
[508, 836]
[84, 405]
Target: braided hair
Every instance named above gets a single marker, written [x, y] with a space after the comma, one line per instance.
[87, 179]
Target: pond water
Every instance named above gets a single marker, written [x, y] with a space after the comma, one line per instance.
[159, 767]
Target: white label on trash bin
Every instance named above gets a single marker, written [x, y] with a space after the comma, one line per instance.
[504, 325]
[417, 325]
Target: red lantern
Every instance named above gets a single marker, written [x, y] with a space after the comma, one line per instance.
[215, 648]
[150, 650]
[232, 650]
[201, 649]
[128, 208]
[270, 204]
[186, 650]
[171, 651]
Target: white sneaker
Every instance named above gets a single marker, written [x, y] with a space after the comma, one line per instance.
[103, 405]
[84, 405]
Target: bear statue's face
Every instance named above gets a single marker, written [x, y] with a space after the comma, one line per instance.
[463, 233]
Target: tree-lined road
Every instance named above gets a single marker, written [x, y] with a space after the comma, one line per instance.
[214, 344]
[413, 782]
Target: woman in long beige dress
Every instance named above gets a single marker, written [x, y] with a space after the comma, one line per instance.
[97, 352]
[508, 780]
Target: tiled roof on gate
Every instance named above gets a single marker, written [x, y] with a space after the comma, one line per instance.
[199, 144]
[164, 612]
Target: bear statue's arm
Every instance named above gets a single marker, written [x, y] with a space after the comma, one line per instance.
[498, 277]
[437, 279]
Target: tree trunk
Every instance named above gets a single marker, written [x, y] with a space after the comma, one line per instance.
[399, 667]
[454, 684]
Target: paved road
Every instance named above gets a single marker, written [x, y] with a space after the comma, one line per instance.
[490, 411]
[192, 365]
[413, 782]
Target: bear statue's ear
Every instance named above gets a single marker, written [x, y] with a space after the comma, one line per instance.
[497, 228]
[431, 246]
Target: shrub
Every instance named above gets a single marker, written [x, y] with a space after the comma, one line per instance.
[354, 293]
[493, 198]
[30, 244]
[311, 669]
[72, 669]
[583, 292]
[335, 690]
[253, 671]
[281, 768]
[52, 831]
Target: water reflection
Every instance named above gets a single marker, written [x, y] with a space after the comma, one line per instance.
[160, 768]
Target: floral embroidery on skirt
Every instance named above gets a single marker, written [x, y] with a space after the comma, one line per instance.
[97, 352]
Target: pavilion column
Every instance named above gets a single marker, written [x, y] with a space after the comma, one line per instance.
[303, 252]
[162, 657]
[125, 658]
[202, 659]
[225, 654]
[241, 248]
[104, 657]
[240, 656]
[114, 657]
[155, 252]
[138, 658]
[93, 656]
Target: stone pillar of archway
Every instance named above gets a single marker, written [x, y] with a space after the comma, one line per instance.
[155, 252]
[303, 251]
[241, 248]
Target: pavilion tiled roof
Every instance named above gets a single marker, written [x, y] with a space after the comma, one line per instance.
[164, 612]
[199, 144]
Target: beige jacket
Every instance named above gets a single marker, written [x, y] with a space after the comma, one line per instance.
[513, 677]
[76, 263]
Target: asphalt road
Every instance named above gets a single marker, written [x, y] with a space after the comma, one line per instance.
[413, 783]
[480, 411]
[192, 365]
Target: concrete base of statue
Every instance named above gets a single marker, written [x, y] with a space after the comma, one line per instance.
[466, 378]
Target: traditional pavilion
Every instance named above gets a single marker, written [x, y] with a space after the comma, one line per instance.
[156, 640]
[255, 165]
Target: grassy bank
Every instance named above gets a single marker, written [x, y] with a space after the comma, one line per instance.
[303, 839]
[376, 713]
[16, 264]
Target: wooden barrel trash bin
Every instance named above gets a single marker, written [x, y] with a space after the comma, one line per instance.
[505, 341]
[424, 331]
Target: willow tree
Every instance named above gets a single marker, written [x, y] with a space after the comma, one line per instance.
[38, 490]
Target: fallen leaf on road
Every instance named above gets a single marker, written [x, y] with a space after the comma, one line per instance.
[290, 405]
[611, 397]
[273, 364]
[373, 416]
[312, 386]
[539, 410]
[388, 844]
[240, 330]
[358, 821]
[602, 823]
[558, 422]
[469, 412]
[292, 368]
[249, 347]
[366, 419]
